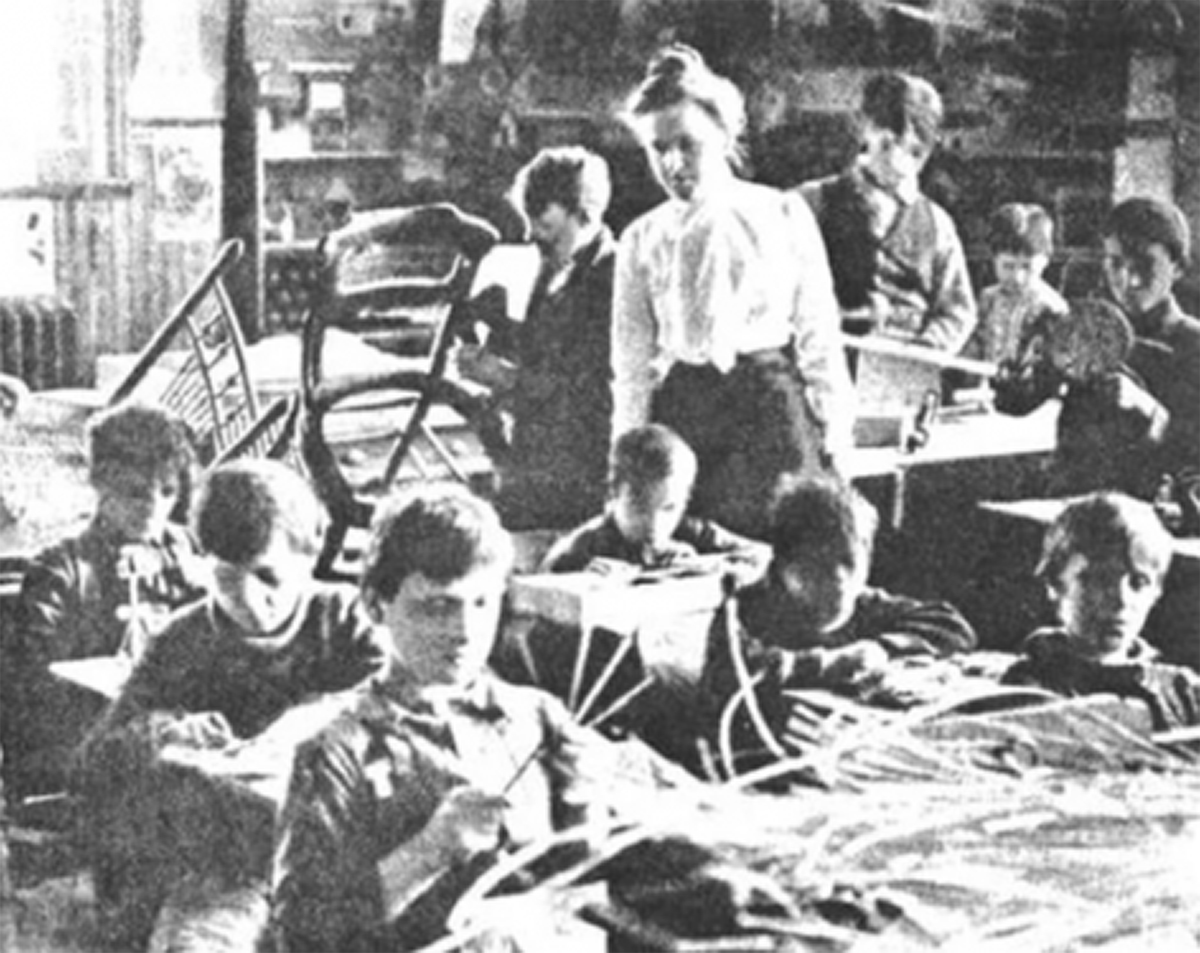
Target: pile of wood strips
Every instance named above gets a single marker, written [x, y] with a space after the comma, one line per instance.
[1053, 828]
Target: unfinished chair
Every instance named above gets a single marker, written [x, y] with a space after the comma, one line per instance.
[195, 365]
[377, 407]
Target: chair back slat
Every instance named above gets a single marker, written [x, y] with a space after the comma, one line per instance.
[202, 348]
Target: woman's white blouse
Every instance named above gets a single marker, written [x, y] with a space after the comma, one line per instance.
[705, 281]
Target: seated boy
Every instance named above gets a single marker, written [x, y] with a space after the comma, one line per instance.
[650, 477]
[399, 805]
[1109, 426]
[1020, 240]
[1147, 246]
[267, 638]
[643, 528]
[814, 622]
[99, 592]
[1103, 563]
[1129, 427]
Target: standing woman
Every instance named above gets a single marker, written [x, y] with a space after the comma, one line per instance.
[726, 327]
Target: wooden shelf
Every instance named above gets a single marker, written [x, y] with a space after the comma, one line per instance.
[333, 158]
[1030, 156]
[72, 191]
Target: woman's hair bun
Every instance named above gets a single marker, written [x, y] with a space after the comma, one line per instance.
[677, 73]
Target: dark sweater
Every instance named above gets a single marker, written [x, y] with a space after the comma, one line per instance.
[1101, 446]
[74, 604]
[561, 402]
[1051, 660]
[902, 625]
[1166, 355]
[775, 645]
[202, 663]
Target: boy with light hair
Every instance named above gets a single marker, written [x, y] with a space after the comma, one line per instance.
[1103, 563]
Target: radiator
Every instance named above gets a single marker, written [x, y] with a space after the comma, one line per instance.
[39, 342]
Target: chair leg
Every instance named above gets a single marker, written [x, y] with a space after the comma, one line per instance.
[335, 537]
[8, 920]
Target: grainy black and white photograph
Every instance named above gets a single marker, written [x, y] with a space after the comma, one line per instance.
[599, 476]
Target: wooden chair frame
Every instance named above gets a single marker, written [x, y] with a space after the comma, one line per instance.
[373, 272]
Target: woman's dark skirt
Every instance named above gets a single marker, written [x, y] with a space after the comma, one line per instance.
[748, 427]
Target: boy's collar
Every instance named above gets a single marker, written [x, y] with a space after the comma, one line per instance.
[1153, 322]
[111, 535]
[1058, 640]
[477, 698]
[266, 643]
[905, 192]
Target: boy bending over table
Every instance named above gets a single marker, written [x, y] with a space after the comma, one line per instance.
[644, 535]
[645, 524]
[814, 622]
[165, 849]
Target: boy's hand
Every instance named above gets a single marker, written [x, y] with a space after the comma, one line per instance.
[613, 568]
[854, 664]
[744, 571]
[673, 554]
[205, 730]
[475, 363]
[1125, 394]
[466, 823]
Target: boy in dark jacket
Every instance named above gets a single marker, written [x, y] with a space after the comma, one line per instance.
[558, 386]
[1147, 244]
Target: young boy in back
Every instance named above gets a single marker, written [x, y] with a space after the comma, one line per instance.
[1147, 245]
[650, 478]
[1132, 418]
[1021, 240]
[643, 527]
[100, 592]
[267, 638]
[1103, 563]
